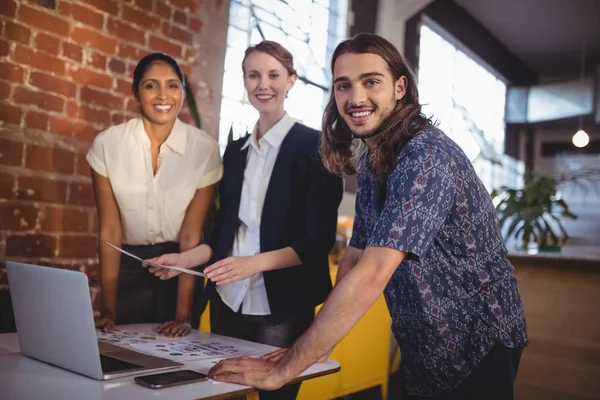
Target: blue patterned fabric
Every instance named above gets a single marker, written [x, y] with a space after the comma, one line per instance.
[455, 294]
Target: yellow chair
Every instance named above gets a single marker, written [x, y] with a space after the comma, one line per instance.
[205, 317]
[364, 355]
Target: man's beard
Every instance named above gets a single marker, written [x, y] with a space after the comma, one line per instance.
[365, 136]
[377, 130]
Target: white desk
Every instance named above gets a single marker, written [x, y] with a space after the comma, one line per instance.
[23, 378]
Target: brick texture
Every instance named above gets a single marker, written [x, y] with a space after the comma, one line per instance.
[47, 43]
[8, 8]
[52, 84]
[101, 99]
[41, 189]
[35, 245]
[4, 90]
[109, 6]
[82, 14]
[81, 166]
[11, 114]
[82, 194]
[36, 120]
[71, 128]
[37, 17]
[126, 32]
[42, 100]
[78, 246]
[117, 66]
[11, 152]
[72, 51]
[91, 38]
[95, 116]
[11, 72]
[31, 58]
[17, 32]
[18, 216]
[61, 219]
[65, 75]
[88, 77]
[95, 59]
[4, 48]
[41, 158]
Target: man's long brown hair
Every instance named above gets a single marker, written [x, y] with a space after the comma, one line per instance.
[403, 123]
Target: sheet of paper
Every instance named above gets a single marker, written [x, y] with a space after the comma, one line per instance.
[197, 349]
[121, 337]
[183, 270]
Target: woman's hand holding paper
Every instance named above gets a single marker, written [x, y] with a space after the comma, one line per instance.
[233, 269]
[189, 259]
[173, 259]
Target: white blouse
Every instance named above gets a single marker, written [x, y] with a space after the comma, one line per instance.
[153, 206]
[251, 294]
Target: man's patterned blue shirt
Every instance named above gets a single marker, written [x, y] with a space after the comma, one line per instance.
[455, 294]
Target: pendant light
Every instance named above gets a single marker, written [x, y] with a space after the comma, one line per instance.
[581, 138]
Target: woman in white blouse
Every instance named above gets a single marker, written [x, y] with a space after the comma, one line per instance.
[154, 179]
[277, 221]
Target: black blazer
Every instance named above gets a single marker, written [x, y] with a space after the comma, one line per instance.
[300, 210]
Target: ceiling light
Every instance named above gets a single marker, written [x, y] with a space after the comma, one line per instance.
[581, 138]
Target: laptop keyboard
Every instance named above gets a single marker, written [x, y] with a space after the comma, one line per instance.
[110, 364]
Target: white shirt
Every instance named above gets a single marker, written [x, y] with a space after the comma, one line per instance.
[251, 293]
[153, 206]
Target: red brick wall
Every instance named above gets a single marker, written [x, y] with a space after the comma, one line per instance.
[65, 75]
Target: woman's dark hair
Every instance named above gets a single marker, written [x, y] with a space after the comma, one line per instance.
[403, 123]
[146, 62]
[275, 50]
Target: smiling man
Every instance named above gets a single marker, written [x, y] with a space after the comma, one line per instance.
[425, 234]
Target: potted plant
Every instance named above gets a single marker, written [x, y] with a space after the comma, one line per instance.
[532, 214]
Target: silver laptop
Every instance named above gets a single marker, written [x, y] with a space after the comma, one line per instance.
[55, 324]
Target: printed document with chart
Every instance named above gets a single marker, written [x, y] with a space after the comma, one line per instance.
[194, 349]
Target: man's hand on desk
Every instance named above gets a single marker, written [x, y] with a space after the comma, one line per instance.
[264, 373]
[259, 373]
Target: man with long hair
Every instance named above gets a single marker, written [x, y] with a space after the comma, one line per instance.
[425, 234]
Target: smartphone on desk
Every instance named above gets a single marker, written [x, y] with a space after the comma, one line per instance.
[168, 379]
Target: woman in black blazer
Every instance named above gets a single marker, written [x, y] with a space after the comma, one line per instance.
[277, 220]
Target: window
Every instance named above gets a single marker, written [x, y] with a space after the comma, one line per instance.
[309, 29]
[468, 101]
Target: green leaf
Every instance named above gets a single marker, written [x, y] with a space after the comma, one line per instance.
[551, 232]
[191, 103]
[513, 225]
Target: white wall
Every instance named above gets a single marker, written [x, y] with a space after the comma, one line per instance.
[392, 16]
